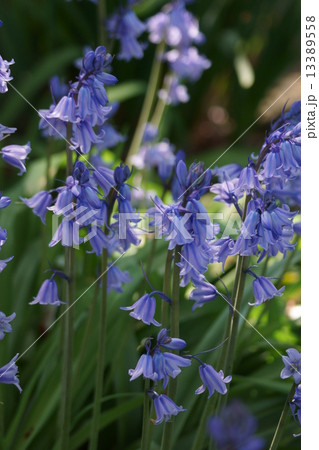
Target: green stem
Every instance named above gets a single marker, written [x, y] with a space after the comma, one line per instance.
[167, 439]
[68, 331]
[148, 102]
[101, 16]
[146, 417]
[167, 288]
[100, 359]
[281, 424]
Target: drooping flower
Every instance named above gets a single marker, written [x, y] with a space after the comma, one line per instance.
[292, 365]
[168, 342]
[4, 201]
[144, 367]
[204, 292]
[48, 294]
[212, 380]
[187, 63]
[295, 405]
[235, 428]
[168, 365]
[8, 373]
[264, 290]
[5, 131]
[5, 74]
[39, 203]
[116, 278]
[5, 326]
[164, 407]
[15, 155]
[144, 310]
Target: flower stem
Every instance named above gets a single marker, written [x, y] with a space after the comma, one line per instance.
[146, 417]
[148, 102]
[167, 288]
[100, 359]
[281, 424]
[167, 439]
[68, 331]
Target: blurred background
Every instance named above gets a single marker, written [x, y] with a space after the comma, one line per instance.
[255, 52]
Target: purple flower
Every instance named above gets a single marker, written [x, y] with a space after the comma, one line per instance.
[234, 428]
[65, 110]
[48, 294]
[204, 292]
[15, 155]
[4, 201]
[295, 405]
[175, 92]
[5, 74]
[168, 365]
[8, 373]
[5, 326]
[39, 203]
[3, 236]
[110, 138]
[212, 380]
[187, 63]
[165, 408]
[264, 290]
[116, 278]
[248, 181]
[126, 27]
[194, 261]
[3, 263]
[168, 342]
[5, 131]
[292, 365]
[144, 310]
[226, 191]
[144, 367]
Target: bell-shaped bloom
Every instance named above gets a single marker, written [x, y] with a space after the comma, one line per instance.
[264, 290]
[221, 249]
[248, 181]
[8, 373]
[39, 203]
[187, 63]
[65, 110]
[5, 326]
[235, 428]
[212, 380]
[144, 310]
[168, 342]
[3, 236]
[15, 155]
[116, 278]
[168, 365]
[5, 131]
[4, 201]
[292, 365]
[3, 263]
[48, 294]
[204, 292]
[84, 136]
[295, 405]
[144, 367]
[5, 74]
[165, 408]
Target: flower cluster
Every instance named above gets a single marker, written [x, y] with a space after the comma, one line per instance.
[235, 428]
[179, 29]
[157, 365]
[84, 106]
[292, 369]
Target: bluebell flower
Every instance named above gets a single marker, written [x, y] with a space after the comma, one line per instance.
[104, 177]
[15, 155]
[144, 309]
[212, 380]
[3, 236]
[291, 117]
[3, 263]
[67, 233]
[295, 405]
[194, 182]
[292, 365]
[5, 74]
[65, 110]
[203, 292]
[8, 373]
[264, 290]
[5, 131]
[110, 138]
[248, 181]
[116, 278]
[125, 26]
[175, 92]
[84, 136]
[168, 342]
[187, 63]
[226, 192]
[98, 241]
[144, 367]
[227, 172]
[164, 407]
[58, 89]
[4, 201]
[221, 249]
[235, 429]
[39, 203]
[50, 126]
[168, 365]
[194, 261]
[48, 294]
[5, 326]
